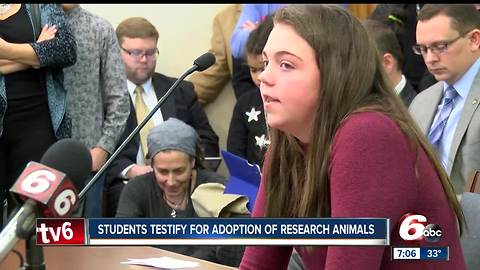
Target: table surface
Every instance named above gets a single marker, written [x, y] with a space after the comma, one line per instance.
[100, 257]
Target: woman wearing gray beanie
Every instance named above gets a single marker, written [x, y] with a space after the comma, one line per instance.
[176, 159]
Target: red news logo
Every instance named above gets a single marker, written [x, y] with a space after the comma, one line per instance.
[414, 227]
[50, 187]
[52, 231]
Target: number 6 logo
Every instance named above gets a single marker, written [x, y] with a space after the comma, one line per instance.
[38, 181]
[64, 201]
[412, 226]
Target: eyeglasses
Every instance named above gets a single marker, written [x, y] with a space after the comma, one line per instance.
[436, 48]
[138, 54]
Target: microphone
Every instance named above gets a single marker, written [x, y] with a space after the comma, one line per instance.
[47, 189]
[203, 62]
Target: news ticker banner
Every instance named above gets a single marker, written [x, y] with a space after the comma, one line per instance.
[214, 231]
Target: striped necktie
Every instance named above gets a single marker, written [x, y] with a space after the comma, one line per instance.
[443, 112]
[142, 111]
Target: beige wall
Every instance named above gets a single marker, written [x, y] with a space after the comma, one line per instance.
[185, 32]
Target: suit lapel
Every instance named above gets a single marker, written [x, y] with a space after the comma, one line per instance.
[161, 87]
[469, 108]
[430, 107]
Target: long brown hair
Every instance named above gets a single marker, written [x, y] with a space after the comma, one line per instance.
[352, 80]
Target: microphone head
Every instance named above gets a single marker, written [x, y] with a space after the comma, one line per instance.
[70, 157]
[204, 61]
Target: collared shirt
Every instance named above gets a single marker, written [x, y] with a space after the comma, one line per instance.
[463, 86]
[151, 100]
[401, 84]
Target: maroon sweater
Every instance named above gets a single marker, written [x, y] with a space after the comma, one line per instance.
[371, 174]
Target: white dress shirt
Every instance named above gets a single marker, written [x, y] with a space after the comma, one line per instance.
[401, 84]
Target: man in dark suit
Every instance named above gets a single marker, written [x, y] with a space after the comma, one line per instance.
[392, 58]
[138, 43]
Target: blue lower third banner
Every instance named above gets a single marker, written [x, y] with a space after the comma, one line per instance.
[238, 231]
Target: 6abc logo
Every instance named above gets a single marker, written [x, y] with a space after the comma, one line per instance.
[414, 227]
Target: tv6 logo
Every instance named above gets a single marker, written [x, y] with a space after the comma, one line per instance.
[414, 227]
[55, 231]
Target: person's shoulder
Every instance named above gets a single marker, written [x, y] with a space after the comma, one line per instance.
[141, 182]
[364, 131]
[49, 7]
[425, 98]
[367, 120]
[369, 126]
[425, 95]
[100, 24]
[251, 94]
[208, 176]
[230, 10]
[162, 78]
[409, 87]
[250, 97]
[90, 25]
[432, 88]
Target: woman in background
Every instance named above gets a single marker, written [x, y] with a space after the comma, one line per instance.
[176, 159]
[342, 144]
[32, 97]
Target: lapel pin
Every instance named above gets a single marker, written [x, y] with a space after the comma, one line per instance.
[475, 101]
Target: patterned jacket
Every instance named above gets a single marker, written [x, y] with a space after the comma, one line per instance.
[97, 95]
[53, 55]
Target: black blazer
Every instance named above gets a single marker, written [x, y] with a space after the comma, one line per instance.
[181, 104]
[408, 93]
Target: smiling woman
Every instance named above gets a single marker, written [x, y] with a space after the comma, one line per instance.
[177, 170]
[174, 175]
[166, 192]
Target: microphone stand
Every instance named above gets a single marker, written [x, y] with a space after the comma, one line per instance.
[24, 220]
[34, 254]
[135, 131]
[25, 229]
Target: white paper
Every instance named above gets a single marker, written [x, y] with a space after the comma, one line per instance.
[163, 263]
